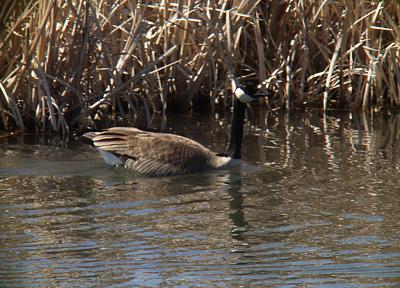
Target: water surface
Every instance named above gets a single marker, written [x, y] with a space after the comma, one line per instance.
[316, 204]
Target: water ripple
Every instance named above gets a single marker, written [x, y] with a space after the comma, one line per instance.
[322, 213]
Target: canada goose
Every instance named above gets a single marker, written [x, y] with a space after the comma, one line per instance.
[162, 154]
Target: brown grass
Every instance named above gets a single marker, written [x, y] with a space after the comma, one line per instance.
[68, 63]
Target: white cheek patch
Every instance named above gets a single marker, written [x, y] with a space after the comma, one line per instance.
[242, 96]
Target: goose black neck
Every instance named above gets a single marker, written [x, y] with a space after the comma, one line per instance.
[235, 143]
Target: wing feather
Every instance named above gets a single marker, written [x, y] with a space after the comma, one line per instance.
[154, 154]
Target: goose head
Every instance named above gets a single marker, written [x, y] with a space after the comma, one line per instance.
[248, 93]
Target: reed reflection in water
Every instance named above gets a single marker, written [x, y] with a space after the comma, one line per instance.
[315, 205]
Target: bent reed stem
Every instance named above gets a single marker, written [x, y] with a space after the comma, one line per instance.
[77, 62]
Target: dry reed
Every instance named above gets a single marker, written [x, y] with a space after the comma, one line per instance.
[67, 63]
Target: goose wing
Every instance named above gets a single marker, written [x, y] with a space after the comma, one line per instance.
[154, 154]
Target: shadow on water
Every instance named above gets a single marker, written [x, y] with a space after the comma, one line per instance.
[314, 205]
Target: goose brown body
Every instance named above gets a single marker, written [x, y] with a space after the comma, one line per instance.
[155, 154]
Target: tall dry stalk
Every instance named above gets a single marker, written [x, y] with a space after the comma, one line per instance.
[66, 63]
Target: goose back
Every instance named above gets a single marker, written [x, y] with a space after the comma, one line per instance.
[154, 154]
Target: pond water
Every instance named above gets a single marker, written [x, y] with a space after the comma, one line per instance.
[315, 204]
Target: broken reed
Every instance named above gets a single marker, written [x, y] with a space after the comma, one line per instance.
[65, 63]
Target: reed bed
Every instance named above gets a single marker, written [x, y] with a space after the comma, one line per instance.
[73, 63]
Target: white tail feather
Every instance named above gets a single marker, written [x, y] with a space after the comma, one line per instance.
[110, 158]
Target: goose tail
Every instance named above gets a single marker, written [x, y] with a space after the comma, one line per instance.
[86, 137]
